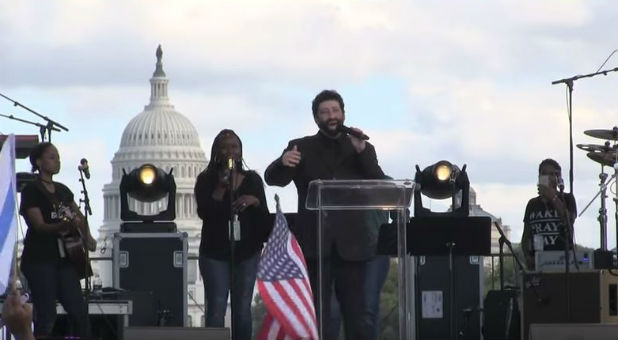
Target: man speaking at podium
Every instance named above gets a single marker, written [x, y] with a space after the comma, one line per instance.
[335, 152]
[549, 216]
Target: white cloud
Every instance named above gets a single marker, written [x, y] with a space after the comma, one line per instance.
[476, 79]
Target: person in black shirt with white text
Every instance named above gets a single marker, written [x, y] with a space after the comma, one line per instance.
[549, 216]
[212, 192]
[332, 154]
[50, 212]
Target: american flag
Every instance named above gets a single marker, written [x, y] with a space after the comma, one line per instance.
[284, 286]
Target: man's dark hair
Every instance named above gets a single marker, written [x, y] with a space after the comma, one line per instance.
[36, 154]
[551, 162]
[324, 96]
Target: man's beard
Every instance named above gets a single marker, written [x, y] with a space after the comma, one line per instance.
[326, 129]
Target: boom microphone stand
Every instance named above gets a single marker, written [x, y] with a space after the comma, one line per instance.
[51, 124]
[42, 128]
[502, 241]
[569, 83]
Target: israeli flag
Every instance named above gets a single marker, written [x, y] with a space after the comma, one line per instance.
[8, 210]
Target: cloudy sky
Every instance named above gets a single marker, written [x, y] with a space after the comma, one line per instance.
[465, 81]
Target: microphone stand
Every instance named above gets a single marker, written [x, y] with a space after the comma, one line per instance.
[502, 241]
[50, 123]
[567, 235]
[231, 234]
[569, 83]
[87, 211]
[42, 128]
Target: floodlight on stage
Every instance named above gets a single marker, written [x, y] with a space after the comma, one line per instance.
[442, 180]
[148, 184]
[453, 233]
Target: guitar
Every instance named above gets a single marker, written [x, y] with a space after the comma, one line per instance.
[74, 241]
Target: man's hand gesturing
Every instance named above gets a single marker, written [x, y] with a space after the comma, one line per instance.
[291, 158]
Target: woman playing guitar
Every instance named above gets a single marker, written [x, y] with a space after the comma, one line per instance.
[50, 246]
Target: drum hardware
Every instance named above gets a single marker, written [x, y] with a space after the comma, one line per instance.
[605, 155]
[604, 134]
[597, 148]
[605, 158]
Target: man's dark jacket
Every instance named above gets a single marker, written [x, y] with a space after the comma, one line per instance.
[323, 157]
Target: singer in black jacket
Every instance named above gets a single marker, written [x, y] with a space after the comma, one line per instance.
[331, 154]
[213, 189]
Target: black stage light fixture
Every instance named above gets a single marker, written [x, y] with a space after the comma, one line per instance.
[148, 183]
[437, 237]
[442, 180]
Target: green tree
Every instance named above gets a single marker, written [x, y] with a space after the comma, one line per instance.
[389, 305]
[259, 312]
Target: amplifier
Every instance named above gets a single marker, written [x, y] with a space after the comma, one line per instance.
[573, 331]
[553, 261]
[154, 264]
[433, 311]
[592, 297]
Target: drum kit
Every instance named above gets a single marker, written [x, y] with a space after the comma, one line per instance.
[606, 156]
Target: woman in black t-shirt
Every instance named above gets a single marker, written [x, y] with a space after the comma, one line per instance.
[215, 205]
[49, 210]
[549, 216]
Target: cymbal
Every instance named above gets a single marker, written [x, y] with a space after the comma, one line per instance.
[605, 158]
[603, 134]
[595, 147]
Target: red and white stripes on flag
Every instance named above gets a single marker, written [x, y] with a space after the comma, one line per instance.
[283, 283]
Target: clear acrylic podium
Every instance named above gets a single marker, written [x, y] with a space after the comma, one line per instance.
[334, 198]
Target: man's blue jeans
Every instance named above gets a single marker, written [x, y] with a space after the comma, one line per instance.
[377, 271]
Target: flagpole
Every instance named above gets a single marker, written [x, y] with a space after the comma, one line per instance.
[15, 275]
[13, 284]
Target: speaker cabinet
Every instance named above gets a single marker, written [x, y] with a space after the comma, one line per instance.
[573, 331]
[592, 298]
[433, 295]
[501, 316]
[155, 263]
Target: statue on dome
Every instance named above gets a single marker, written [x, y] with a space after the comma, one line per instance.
[159, 54]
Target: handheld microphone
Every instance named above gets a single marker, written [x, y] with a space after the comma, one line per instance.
[354, 133]
[227, 170]
[560, 184]
[83, 166]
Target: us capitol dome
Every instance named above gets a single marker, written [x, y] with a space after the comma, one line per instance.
[162, 136]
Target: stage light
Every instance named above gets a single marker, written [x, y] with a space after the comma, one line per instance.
[147, 183]
[443, 171]
[440, 181]
[436, 235]
[147, 174]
